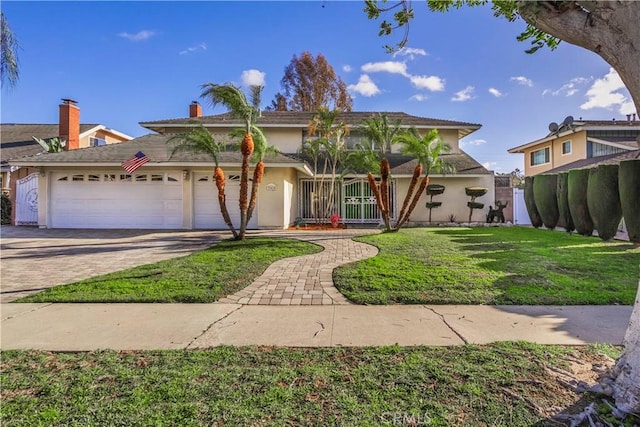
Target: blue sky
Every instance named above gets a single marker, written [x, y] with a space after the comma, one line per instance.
[127, 62]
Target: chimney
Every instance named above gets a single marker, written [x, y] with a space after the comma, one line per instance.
[195, 109]
[628, 117]
[69, 125]
[634, 117]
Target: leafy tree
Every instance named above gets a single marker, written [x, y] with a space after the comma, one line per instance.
[609, 29]
[200, 140]
[310, 84]
[52, 145]
[9, 72]
[236, 101]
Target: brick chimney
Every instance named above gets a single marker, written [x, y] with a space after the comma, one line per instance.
[195, 109]
[69, 125]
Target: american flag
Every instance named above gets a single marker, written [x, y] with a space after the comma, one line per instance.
[135, 162]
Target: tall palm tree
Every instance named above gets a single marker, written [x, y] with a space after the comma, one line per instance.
[200, 140]
[9, 72]
[427, 150]
[236, 101]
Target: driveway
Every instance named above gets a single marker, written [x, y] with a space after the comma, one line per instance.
[33, 259]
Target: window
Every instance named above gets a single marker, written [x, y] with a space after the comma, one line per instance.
[96, 142]
[64, 178]
[77, 178]
[155, 177]
[566, 147]
[540, 157]
[125, 177]
[109, 177]
[93, 178]
[140, 178]
[595, 149]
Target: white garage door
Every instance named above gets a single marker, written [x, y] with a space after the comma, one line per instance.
[207, 209]
[116, 200]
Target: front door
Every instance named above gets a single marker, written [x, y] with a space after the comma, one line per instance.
[359, 205]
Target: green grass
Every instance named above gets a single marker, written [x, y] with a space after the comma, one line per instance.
[201, 277]
[492, 265]
[470, 385]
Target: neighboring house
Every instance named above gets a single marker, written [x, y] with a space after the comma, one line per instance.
[87, 188]
[579, 143]
[16, 139]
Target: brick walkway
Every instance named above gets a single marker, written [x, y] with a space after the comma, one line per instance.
[308, 279]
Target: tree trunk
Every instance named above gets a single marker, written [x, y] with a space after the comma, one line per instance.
[414, 180]
[376, 192]
[246, 148]
[611, 30]
[607, 28]
[218, 176]
[414, 202]
[258, 173]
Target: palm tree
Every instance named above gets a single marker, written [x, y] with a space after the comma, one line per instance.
[235, 100]
[427, 150]
[9, 53]
[200, 140]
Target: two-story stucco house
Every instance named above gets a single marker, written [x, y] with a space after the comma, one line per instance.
[580, 143]
[87, 188]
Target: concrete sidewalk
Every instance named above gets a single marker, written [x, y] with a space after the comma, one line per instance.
[84, 327]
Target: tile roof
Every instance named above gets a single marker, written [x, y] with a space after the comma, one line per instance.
[156, 147]
[302, 119]
[16, 139]
[595, 161]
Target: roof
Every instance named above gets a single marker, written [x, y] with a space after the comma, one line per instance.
[587, 125]
[296, 119]
[462, 163]
[596, 161]
[156, 147]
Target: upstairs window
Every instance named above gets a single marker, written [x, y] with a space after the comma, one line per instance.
[96, 142]
[566, 147]
[540, 157]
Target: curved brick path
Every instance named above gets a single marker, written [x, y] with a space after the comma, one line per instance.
[308, 279]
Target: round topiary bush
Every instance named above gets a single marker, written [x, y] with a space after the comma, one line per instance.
[544, 195]
[562, 194]
[603, 200]
[629, 188]
[435, 189]
[530, 202]
[5, 208]
[577, 197]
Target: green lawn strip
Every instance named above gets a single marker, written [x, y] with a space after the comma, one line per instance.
[204, 276]
[491, 265]
[439, 386]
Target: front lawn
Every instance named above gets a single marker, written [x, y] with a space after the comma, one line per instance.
[492, 265]
[204, 276]
[505, 384]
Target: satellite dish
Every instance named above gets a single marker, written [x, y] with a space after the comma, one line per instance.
[553, 126]
[567, 121]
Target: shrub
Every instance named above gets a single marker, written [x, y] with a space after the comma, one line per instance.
[577, 196]
[530, 202]
[629, 187]
[603, 200]
[562, 194]
[5, 208]
[544, 195]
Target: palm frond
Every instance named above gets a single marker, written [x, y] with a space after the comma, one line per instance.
[9, 70]
[231, 97]
[197, 140]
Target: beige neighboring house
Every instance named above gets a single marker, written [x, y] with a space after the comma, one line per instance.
[87, 188]
[16, 141]
[580, 143]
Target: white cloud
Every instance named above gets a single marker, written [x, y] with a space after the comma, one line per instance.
[346, 68]
[419, 97]
[495, 92]
[477, 142]
[432, 83]
[568, 89]
[393, 67]
[604, 93]
[522, 80]
[252, 78]
[464, 95]
[139, 36]
[491, 165]
[411, 52]
[365, 86]
[201, 46]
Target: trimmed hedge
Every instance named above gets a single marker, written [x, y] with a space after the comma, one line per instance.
[577, 196]
[562, 194]
[603, 200]
[629, 188]
[5, 207]
[530, 202]
[544, 195]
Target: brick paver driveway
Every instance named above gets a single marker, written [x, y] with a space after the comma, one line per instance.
[33, 259]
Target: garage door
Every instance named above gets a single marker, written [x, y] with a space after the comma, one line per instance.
[207, 209]
[116, 200]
